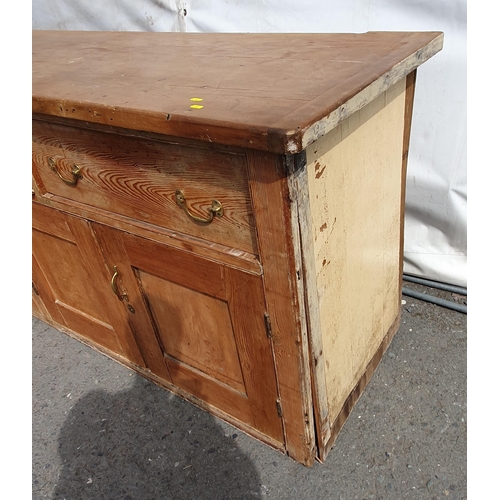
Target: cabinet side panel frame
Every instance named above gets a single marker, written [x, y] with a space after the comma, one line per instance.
[272, 210]
[328, 426]
[306, 283]
[411, 81]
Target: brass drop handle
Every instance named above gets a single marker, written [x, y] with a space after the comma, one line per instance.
[75, 172]
[115, 288]
[215, 209]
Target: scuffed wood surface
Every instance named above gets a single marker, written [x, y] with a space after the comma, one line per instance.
[269, 190]
[275, 92]
[306, 283]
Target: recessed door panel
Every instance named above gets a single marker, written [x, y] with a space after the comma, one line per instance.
[195, 329]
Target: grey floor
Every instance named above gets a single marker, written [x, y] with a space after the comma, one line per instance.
[102, 432]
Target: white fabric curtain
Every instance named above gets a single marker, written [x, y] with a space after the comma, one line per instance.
[436, 208]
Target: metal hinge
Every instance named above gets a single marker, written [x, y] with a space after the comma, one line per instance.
[279, 408]
[267, 322]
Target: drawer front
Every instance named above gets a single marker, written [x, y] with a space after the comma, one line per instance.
[199, 192]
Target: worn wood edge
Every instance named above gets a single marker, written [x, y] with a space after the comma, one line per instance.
[273, 139]
[269, 192]
[411, 81]
[237, 259]
[43, 289]
[139, 134]
[292, 162]
[321, 127]
[165, 385]
[44, 319]
[356, 393]
[307, 287]
[230, 134]
[40, 304]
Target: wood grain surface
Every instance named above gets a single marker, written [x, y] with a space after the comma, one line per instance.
[275, 92]
[269, 189]
[138, 178]
[73, 282]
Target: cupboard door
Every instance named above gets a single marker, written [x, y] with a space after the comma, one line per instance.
[70, 278]
[209, 322]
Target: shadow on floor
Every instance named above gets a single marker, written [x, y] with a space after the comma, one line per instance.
[143, 444]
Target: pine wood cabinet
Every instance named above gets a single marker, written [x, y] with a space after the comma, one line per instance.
[230, 228]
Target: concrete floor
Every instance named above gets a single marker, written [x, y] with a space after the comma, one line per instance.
[102, 432]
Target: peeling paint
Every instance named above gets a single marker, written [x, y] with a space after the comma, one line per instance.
[319, 172]
[291, 147]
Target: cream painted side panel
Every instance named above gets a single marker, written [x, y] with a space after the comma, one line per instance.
[354, 179]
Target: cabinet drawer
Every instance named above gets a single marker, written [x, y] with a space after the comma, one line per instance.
[142, 179]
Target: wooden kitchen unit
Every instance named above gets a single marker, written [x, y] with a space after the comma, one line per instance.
[223, 213]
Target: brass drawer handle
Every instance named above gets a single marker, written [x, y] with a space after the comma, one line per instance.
[75, 172]
[115, 288]
[215, 209]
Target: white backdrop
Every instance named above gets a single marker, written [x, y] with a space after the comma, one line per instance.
[436, 207]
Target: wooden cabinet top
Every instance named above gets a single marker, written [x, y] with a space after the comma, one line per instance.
[273, 92]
